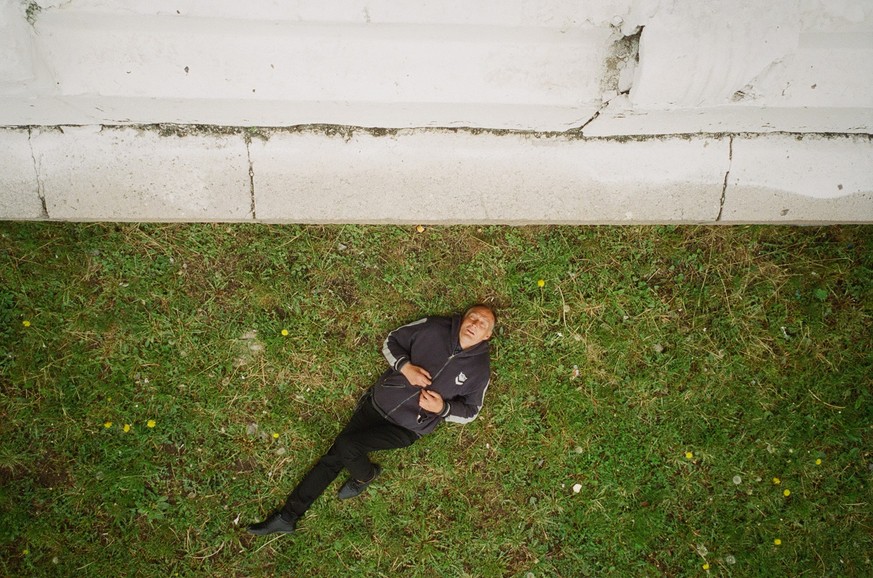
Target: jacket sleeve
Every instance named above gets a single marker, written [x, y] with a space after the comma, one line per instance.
[399, 343]
[465, 408]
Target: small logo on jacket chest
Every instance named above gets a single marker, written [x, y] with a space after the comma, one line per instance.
[460, 379]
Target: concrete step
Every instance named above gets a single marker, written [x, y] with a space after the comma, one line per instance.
[326, 175]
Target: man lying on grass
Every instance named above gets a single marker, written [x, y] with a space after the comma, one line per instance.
[439, 371]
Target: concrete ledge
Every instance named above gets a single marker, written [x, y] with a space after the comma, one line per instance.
[125, 111]
[459, 177]
[326, 174]
[786, 178]
[619, 119]
[284, 65]
[94, 173]
[664, 67]
[19, 189]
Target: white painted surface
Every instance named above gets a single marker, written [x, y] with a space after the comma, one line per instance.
[277, 64]
[19, 193]
[618, 119]
[16, 64]
[726, 67]
[719, 66]
[724, 42]
[89, 174]
[745, 65]
[468, 178]
[781, 177]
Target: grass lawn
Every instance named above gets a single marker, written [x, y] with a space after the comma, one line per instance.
[666, 401]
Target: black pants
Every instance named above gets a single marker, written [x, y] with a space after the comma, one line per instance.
[366, 431]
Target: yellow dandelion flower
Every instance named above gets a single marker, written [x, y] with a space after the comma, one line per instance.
[151, 423]
[818, 462]
[420, 229]
[689, 455]
[541, 283]
[275, 436]
[777, 541]
[786, 493]
[285, 332]
[108, 424]
[706, 566]
[777, 481]
[126, 427]
[26, 323]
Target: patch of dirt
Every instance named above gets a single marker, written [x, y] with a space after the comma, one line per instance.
[243, 465]
[250, 347]
[54, 472]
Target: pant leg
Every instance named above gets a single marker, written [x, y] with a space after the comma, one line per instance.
[366, 431]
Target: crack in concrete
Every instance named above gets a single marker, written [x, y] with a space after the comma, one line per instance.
[592, 119]
[40, 190]
[348, 131]
[726, 175]
[252, 210]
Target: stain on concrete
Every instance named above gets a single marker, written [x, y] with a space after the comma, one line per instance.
[31, 11]
[755, 204]
[253, 208]
[619, 66]
[182, 130]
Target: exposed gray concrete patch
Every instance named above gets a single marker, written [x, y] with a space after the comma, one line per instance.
[769, 206]
[19, 194]
[126, 174]
[446, 177]
[790, 178]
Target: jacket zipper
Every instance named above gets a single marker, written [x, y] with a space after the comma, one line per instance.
[432, 379]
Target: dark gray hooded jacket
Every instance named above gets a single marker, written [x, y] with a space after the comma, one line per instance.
[460, 376]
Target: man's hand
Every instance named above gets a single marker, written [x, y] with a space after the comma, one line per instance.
[431, 401]
[417, 376]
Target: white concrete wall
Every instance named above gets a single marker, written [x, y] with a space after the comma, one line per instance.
[715, 66]
[697, 85]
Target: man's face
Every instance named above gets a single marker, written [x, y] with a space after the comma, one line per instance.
[476, 326]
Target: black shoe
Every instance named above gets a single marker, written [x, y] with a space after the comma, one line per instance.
[276, 522]
[353, 487]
